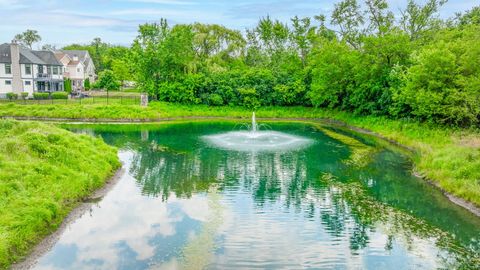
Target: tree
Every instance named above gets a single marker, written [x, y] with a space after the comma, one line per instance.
[442, 85]
[107, 80]
[86, 84]
[302, 36]
[416, 19]
[28, 37]
[381, 19]
[120, 71]
[348, 17]
[49, 47]
[471, 17]
[162, 54]
[67, 85]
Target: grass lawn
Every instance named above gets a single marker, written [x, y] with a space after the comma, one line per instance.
[449, 157]
[44, 172]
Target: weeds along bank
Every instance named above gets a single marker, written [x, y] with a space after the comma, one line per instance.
[44, 172]
[448, 156]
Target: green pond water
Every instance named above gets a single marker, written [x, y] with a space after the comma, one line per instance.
[342, 201]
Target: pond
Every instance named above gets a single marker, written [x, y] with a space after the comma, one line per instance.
[338, 200]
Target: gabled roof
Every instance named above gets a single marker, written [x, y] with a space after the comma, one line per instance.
[28, 56]
[82, 55]
[78, 53]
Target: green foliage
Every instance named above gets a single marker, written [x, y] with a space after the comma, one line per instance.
[120, 70]
[44, 172]
[443, 83]
[86, 84]
[39, 95]
[67, 85]
[448, 156]
[373, 64]
[24, 95]
[12, 96]
[107, 80]
[28, 37]
[215, 100]
[59, 95]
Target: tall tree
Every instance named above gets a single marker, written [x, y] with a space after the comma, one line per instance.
[417, 19]
[380, 18]
[469, 17]
[348, 17]
[302, 36]
[28, 37]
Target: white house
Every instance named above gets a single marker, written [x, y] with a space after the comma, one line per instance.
[77, 66]
[25, 70]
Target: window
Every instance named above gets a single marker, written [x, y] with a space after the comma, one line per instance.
[28, 82]
[8, 82]
[78, 69]
[49, 70]
[40, 69]
[55, 70]
[8, 69]
[28, 69]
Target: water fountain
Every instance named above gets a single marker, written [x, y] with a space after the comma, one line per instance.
[256, 140]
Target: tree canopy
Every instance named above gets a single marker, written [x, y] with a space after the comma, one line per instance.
[414, 66]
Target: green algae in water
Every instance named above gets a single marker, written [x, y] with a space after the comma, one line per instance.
[339, 203]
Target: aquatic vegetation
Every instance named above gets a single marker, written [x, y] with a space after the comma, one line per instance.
[361, 153]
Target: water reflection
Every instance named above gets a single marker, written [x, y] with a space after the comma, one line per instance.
[185, 203]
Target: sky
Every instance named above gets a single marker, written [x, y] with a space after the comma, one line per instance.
[62, 22]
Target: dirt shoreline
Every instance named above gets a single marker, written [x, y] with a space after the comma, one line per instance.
[48, 242]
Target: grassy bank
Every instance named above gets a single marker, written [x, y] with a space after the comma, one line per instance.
[44, 172]
[449, 157]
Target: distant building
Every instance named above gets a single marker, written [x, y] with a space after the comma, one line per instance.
[77, 66]
[25, 70]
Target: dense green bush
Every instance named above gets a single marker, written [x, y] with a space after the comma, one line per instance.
[67, 85]
[422, 68]
[443, 83]
[12, 96]
[215, 100]
[24, 95]
[40, 95]
[59, 95]
[86, 84]
[107, 81]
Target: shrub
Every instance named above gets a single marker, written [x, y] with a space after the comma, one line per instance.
[12, 96]
[24, 95]
[67, 85]
[86, 84]
[249, 97]
[41, 95]
[59, 95]
[215, 100]
[107, 80]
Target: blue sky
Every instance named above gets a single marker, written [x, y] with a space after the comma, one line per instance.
[63, 22]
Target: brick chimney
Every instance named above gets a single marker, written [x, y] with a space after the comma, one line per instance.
[17, 84]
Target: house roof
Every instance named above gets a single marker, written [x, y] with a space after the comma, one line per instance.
[5, 53]
[28, 56]
[82, 55]
[48, 57]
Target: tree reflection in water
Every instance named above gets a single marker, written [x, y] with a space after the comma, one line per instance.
[350, 201]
